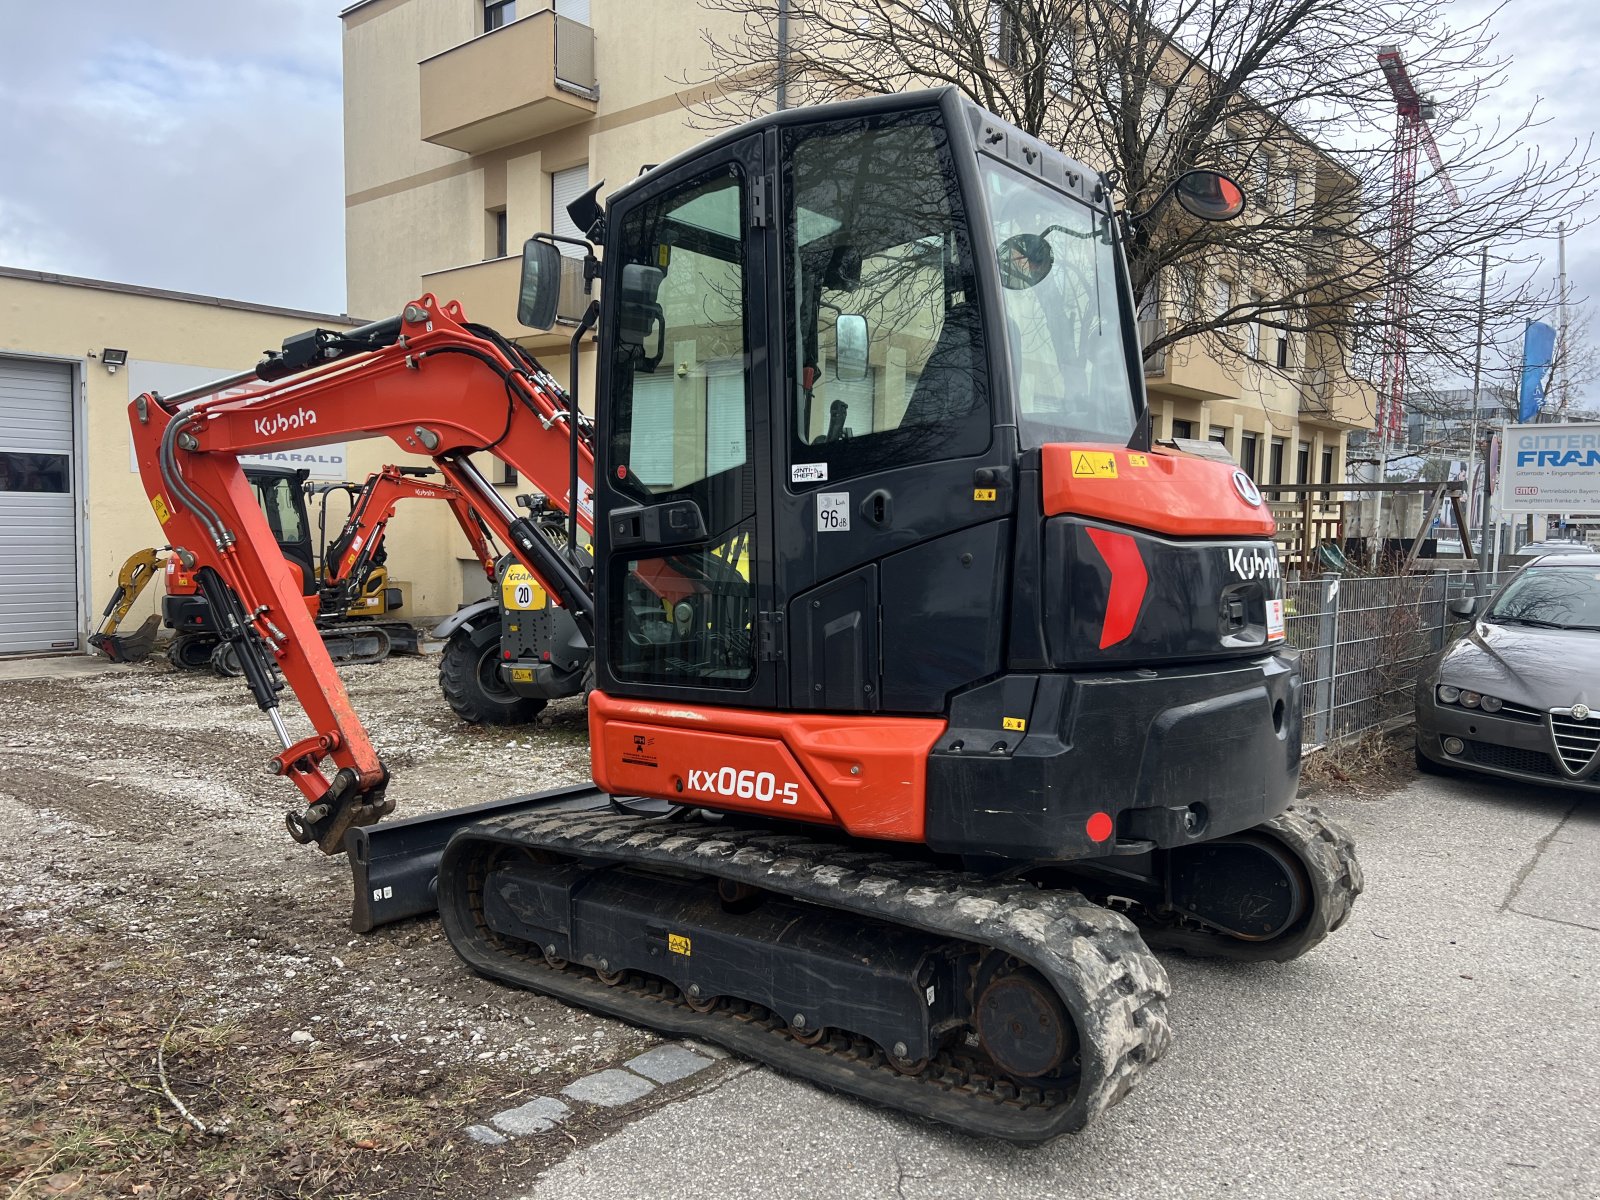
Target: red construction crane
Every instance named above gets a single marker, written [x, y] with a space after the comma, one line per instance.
[1415, 111]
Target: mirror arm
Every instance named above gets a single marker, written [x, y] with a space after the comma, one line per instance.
[1135, 220]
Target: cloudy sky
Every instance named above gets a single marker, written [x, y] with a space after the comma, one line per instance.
[196, 144]
[188, 144]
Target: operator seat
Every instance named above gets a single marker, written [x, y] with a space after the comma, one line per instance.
[949, 399]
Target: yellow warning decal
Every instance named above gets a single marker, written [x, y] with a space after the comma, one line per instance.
[519, 591]
[678, 944]
[1138, 460]
[1016, 723]
[521, 674]
[1094, 464]
[163, 513]
[983, 493]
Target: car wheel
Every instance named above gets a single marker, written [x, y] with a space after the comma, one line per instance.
[1426, 765]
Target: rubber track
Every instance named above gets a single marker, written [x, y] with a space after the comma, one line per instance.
[1114, 988]
[1328, 854]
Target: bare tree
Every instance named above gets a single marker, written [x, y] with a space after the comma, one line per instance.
[1285, 95]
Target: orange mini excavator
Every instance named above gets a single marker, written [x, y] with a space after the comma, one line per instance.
[929, 691]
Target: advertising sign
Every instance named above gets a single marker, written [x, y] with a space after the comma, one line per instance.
[1550, 469]
[324, 462]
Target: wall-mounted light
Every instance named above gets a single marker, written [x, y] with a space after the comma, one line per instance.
[112, 359]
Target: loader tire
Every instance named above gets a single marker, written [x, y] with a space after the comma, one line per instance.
[471, 683]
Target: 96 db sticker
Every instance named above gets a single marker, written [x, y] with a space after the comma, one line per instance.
[833, 512]
[1274, 619]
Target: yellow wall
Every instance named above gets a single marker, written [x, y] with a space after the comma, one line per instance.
[65, 320]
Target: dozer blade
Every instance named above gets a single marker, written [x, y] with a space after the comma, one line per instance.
[394, 865]
[1000, 1008]
[128, 647]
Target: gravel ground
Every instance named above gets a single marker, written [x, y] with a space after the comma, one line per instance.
[134, 811]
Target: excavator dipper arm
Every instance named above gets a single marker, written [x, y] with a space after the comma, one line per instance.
[351, 555]
[432, 386]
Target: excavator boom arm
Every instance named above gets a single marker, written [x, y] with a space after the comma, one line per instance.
[438, 389]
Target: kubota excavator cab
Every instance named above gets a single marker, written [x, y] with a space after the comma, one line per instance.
[882, 539]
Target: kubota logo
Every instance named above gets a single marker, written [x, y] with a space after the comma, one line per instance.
[284, 422]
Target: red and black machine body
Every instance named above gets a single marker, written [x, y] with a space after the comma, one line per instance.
[999, 621]
[928, 690]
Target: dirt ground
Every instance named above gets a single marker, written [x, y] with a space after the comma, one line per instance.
[158, 930]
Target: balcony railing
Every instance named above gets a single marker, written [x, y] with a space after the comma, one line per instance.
[520, 81]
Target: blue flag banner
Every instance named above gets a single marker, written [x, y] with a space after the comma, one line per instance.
[1538, 351]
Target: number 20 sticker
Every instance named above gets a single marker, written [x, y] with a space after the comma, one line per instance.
[833, 512]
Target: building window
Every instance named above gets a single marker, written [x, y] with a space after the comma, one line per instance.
[1183, 429]
[497, 13]
[565, 187]
[1008, 36]
[1275, 461]
[1283, 351]
[1327, 465]
[1247, 453]
[1302, 463]
[1156, 99]
[1185, 299]
[1150, 301]
[1252, 331]
[1291, 194]
[1221, 296]
[1219, 435]
[500, 243]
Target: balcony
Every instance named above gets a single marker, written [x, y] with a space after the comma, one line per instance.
[488, 295]
[1334, 397]
[1183, 368]
[521, 81]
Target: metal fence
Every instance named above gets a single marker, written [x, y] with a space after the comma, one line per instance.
[1362, 642]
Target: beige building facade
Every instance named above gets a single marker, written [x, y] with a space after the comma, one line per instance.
[470, 123]
[72, 507]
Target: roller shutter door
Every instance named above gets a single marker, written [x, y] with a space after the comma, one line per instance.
[38, 523]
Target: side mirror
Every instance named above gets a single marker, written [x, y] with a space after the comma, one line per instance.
[850, 347]
[1209, 195]
[1025, 259]
[1463, 607]
[540, 294]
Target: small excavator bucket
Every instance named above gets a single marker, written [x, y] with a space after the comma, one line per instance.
[128, 647]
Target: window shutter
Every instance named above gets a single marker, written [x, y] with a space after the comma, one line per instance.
[565, 187]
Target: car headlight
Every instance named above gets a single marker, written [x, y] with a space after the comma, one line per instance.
[1448, 694]
[1490, 703]
[1470, 699]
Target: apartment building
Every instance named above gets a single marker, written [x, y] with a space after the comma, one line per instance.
[469, 124]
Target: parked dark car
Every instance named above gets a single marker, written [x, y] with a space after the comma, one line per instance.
[1519, 695]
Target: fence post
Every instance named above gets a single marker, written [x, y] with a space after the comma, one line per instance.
[1327, 635]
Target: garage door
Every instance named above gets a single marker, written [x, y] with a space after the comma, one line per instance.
[38, 529]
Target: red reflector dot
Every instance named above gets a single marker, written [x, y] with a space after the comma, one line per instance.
[1098, 827]
[506, 654]
[622, 472]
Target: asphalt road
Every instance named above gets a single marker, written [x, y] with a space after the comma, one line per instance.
[1446, 1042]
